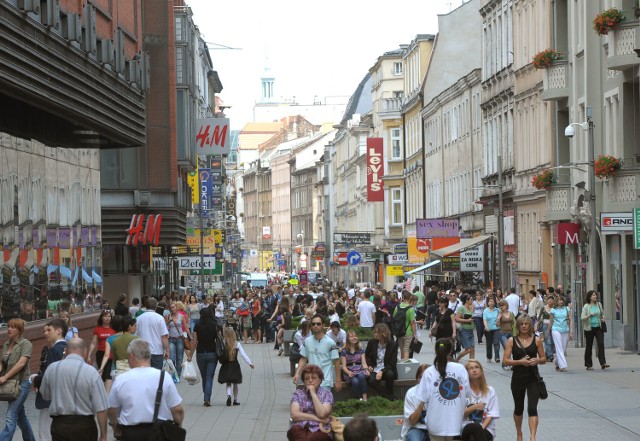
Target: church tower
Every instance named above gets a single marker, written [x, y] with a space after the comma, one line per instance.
[268, 81]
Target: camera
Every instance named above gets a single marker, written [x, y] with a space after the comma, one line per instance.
[553, 244]
[569, 132]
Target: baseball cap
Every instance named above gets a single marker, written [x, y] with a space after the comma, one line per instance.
[335, 324]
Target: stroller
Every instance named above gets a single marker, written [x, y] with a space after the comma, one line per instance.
[232, 320]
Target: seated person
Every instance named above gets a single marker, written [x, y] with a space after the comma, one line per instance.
[414, 427]
[354, 366]
[310, 407]
[361, 428]
[382, 359]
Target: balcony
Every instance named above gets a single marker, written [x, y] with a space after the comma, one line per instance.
[621, 189]
[623, 42]
[555, 81]
[390, 108]
[559, 202]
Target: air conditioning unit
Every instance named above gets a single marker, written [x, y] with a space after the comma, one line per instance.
[141, 198]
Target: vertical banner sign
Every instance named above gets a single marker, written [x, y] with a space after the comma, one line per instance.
[636, 228]
[212, 136]
[375, 191]
[192, 180]
[231, 206]
[204, 176]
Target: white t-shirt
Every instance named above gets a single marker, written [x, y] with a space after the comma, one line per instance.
[514, 303]
[445, 400]
[491, 409]
[151, 327]
[367, 311]
[340, 338]
[410, 404]
[351, 292]
[134, 392]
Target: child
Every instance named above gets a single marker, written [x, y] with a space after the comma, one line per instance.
[230, 371]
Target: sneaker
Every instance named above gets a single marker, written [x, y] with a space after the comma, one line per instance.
[235, 403]
[488, 360]
[207, 404]
[280, 352]
[228, 400]
[497, 360]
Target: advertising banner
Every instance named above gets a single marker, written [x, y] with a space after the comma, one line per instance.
[472, 260]
[613, 223]
[193, 262]
[636, 228]
[428, 228]
[352, 238]
[395, 270]
[375, 190]
[266, 232]
[212, 136]
[418, 249]
[206, 190]
[568, 233]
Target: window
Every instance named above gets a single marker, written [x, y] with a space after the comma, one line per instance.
[397, 68]
[396, 206]
[396, 144]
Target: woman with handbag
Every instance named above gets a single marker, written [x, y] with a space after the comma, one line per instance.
[14, 381]
[443, 327]
[592, 321]
[204, 341]
[524, 352]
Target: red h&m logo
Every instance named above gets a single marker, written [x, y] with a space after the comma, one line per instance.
[146, 234]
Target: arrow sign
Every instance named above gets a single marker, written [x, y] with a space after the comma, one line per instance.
[354, 258]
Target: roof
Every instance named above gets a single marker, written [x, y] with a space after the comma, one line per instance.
[361, 101]
[261, 127]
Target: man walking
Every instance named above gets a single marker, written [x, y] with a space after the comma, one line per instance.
[153, 328]
[54, 333]
[320, 350]
[77, 397]
[366, 312]
[404, 324]
[513, 300]
[133, 395]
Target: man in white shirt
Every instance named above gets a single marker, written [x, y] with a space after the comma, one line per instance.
[513, 300]
[133, 394]
[351, 292]
[152, 327]
[366, 312]
[337, 334]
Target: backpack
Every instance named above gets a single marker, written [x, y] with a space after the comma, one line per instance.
[399, 322]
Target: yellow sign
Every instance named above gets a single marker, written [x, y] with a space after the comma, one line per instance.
[395, 270]
[418, 250]
[293, 281]
[192, 180]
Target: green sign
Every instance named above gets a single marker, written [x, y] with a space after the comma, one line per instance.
[209, 272]
[636, 228]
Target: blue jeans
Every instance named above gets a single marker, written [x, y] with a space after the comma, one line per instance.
[157, 361]
[193, 323]
[358, 385]
[207, 364]
[479, 328]
[493, 342]
[176, 353]
[415, 434]
[16, 416]
[549, 347]
[504, 336]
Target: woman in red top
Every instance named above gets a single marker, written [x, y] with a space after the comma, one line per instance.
[100, 335]
[256, 312]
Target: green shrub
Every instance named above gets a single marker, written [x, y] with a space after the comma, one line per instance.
[376, 406]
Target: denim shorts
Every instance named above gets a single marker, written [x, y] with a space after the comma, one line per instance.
[466, 338]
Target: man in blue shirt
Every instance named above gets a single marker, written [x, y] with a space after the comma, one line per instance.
[320, 350]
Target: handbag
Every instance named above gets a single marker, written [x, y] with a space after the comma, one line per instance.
[603, 324]
[434, 329]
[542, 387]
[10, 390]
[415, 346]
[164, 430]
[221, 348]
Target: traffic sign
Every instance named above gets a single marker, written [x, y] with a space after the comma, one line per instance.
[281, 262]
[341, 259]
[354, 258]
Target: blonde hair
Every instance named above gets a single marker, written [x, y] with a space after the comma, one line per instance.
[524, 318]
[180, 306]
[64, 315]
[482, 382]
[230, 340]
[347, 343]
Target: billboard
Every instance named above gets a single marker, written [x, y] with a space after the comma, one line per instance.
[206, 192]
[375, 190]
[213, 136]
[428, 228]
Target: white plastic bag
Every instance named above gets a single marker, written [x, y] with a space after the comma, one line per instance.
[171, 370]
[189, 372]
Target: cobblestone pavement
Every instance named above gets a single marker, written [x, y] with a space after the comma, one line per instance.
[583, 405]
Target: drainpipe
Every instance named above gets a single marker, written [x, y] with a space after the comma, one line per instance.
[404, 170]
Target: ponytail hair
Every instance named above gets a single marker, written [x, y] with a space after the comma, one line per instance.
[444, 346]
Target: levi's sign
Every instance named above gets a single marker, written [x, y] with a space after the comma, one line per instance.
[375, 192]
[193, 262]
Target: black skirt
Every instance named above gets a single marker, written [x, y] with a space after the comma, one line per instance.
[230, 372]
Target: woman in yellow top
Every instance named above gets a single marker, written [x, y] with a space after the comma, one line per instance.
[16, 353]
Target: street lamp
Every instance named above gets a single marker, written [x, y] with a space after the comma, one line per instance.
[570, 132]
[500, 187]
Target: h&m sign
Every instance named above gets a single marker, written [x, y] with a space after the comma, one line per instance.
[145, 234]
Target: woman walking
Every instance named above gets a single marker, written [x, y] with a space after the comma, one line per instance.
[506, 321]
[482, 410]
[443, 389]
[443, 326]
[16, 353]
[204, 340]
[72, 331]
[354, 366]
[479, 305]
[100, 335]
[193, 311]
[524, 352]
[561, 325]
[490, 320]
[544, 319]
[592, 318]
[230, 372]
[177, 326]
[464, 316]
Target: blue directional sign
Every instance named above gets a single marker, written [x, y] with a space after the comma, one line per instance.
[281, 262]
[354, 258]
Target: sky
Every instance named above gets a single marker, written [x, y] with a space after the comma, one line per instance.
[313, 48]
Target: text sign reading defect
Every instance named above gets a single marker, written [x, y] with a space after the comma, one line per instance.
[472, 260]
[193, 262]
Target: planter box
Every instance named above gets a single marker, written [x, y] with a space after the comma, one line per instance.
[288, 334]
[389, 427]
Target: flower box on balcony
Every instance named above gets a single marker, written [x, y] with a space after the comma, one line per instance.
[544, 179]
[545, 58]
[607, 20]
[606, 166]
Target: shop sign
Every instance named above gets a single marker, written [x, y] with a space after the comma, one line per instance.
[375, 192]
[451, 263]
[395, 270]
[568, 233]
[144, 233]
[196, 263]
[472, 260]
[612, 223]
[212, 136]
[428, 228]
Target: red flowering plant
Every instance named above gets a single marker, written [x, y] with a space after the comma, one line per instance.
[545, 58]
[544, 179]
[607, 20]
[606, 166]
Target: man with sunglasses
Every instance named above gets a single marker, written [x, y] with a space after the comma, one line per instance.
[320, 350]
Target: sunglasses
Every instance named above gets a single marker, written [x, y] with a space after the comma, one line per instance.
[316, 323]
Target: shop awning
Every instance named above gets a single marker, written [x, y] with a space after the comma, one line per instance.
[422, 268]
[462, 246]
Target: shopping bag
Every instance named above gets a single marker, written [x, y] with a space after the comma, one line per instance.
[171, 370]
[189, 373]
